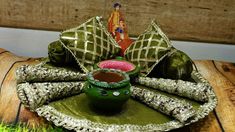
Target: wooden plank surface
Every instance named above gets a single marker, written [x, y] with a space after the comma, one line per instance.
[8, 95]
[11, 110]
[226, 69]
[7, 61]
[225, 91]
[197, 20]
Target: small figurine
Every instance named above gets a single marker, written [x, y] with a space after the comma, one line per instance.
[114, 19]
[118, 29]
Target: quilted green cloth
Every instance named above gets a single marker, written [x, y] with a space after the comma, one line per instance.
[89, 43]
[149, 48]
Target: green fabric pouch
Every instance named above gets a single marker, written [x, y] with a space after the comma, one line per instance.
[149, 49]
[89, 43]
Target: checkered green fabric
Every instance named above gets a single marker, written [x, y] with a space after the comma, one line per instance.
[89, 43]
[149, 49]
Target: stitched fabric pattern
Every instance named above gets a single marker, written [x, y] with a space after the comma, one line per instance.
[150, 48]
[89, 43]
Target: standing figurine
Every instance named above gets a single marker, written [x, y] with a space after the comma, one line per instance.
[114, 19]
[117, 27]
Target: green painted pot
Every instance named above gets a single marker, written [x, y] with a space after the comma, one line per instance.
[107, 89]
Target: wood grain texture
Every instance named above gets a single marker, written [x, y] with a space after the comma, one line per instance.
[6, 61]
[197, 20]
[227, 69]
[11, 111]
[6, 95]
[225, 91]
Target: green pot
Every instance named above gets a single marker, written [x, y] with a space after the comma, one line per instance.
[107, 89]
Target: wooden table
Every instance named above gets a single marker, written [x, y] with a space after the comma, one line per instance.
[221, 75]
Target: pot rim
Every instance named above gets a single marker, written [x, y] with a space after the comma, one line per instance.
[134, 66]
[131, 73]
[110, 85]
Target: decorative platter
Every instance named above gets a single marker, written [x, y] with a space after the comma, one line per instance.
[75, 113]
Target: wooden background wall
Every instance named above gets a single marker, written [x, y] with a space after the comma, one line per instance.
[196, 20]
